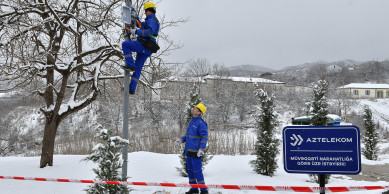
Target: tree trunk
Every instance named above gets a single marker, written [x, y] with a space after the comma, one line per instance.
[48, 143]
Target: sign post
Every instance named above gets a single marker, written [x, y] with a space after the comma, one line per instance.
[322, 150]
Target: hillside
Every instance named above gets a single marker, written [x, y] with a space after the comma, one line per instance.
[248, 70]
[339, 72]
[345, 63]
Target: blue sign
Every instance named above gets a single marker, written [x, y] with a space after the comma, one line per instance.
[322, 150]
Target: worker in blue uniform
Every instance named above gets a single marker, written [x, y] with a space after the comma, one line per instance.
[195, 140]
[144, 46]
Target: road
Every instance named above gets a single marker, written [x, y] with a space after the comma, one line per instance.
[373, 173]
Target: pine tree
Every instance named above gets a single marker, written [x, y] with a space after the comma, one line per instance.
[194, 100]
[206, 158]
[320, 111]
[370, 138]
[266, 146]
[108, 156]
[183, 170]
[320, 105]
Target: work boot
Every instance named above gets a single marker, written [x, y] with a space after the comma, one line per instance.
[132, 92]
[204, 192]
[192, 191]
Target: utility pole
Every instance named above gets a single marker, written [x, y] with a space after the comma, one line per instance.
[126, 102]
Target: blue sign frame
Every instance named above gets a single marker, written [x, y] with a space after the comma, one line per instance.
[322, 149]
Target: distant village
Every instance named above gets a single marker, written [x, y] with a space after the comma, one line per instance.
[177, 87]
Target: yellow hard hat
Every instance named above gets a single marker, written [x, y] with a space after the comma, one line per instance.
[201, 107]
[149, 5]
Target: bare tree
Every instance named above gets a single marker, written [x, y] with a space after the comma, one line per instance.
[343, 103]
[223, 93]
[62, 50]
[158, 67]
[378, 74]
[374, 71]
[220, 70]
[317, 71]
[47, 46]
[199, 67]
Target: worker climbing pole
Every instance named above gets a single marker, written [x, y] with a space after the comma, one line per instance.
[145, 44]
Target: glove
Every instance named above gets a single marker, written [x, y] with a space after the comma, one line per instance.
[178, 142]
[200, 152]
[133, 31]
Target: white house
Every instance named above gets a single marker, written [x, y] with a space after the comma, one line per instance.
[366, 90]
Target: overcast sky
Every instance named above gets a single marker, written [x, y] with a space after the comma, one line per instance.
[279, 33]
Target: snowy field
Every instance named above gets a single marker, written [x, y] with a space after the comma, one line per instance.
[153, 167]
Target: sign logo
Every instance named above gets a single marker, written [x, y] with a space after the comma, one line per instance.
[298, 140]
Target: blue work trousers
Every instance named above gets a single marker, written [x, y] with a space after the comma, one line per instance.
[195, 173]
[141, 56]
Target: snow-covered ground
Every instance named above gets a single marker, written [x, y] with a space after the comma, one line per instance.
[153, 167]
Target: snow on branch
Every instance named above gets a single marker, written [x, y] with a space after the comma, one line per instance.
[58, 19]
[97, 74]
[111, 77]
[73, 105]
[28, 29]
[101, 52]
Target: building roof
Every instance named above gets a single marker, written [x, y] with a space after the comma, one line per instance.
[235, 79]
[244, 79]
[182, 79]
[365, 86]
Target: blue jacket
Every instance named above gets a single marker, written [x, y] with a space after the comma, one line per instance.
[150, 27]
[196, 136]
